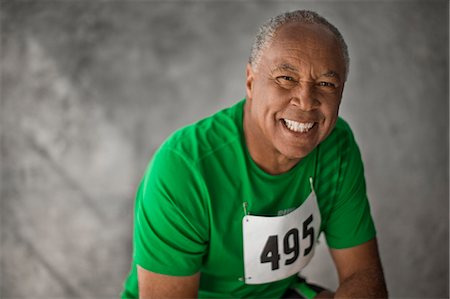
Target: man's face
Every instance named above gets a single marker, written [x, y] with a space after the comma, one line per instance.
[293, 96]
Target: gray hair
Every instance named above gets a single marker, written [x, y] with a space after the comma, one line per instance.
[268, 30]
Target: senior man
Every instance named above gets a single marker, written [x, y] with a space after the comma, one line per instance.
[232, 206]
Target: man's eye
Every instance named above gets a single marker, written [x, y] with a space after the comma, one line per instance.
[287, 78]
[327, 84]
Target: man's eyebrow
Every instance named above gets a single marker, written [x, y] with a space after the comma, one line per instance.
[290, 67]
[332, 74]
[285, 67]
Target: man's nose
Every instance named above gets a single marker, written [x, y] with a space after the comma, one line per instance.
[305, 97]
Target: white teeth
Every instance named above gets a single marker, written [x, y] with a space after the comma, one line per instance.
[298, 127]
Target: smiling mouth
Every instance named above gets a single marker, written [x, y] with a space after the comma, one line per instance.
[298, 127]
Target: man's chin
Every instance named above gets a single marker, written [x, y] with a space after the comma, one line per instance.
[297, 153]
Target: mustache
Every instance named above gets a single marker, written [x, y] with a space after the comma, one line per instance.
[302, 116]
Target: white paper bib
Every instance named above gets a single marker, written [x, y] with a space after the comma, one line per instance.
[278, 247]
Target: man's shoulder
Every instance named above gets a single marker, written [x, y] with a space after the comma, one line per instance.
[207, 135]
[341, 142]
[341, 134]
[342, 127]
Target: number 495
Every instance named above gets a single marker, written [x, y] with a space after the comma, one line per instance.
[291, 245]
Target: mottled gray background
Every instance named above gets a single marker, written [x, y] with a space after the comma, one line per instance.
[89, 89]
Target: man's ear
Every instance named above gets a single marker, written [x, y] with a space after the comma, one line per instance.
[249, 82]
[342, 89]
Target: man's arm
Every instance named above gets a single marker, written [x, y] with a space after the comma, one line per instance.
[153, 285]
[360, 272]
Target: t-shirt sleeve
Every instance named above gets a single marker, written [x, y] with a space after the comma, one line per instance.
[350, 222]
[171, 224]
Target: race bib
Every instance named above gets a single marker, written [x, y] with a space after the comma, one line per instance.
[278, 247]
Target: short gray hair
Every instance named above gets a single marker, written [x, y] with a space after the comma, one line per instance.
[268, 30]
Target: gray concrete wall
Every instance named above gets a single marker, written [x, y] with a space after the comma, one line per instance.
[89, 89]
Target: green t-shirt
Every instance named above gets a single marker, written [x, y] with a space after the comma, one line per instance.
[189, 206]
